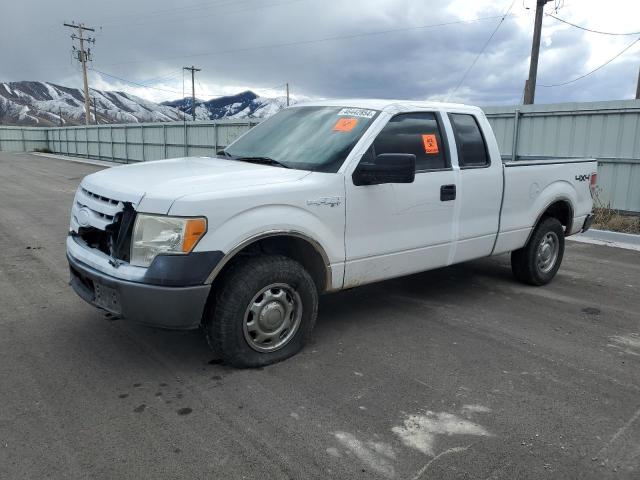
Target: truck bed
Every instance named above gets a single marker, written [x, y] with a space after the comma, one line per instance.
[534, 183]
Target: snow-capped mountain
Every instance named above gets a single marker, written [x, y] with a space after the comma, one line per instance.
[243, 105]
[47, 104]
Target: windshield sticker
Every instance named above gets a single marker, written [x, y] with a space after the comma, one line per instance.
[357, 112]
[430, 144]
[345, 124]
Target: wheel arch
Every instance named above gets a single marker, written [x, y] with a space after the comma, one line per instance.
[560, 208]
[291, 243]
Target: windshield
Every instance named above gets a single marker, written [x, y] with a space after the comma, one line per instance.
[306, 138]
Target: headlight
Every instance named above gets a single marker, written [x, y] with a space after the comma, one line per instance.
[154, 235]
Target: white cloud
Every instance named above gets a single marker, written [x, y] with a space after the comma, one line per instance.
[419, 63]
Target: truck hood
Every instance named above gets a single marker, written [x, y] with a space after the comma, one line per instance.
[153, 186]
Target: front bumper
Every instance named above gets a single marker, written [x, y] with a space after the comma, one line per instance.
[154, 305]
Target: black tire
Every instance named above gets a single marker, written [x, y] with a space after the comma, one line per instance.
[225, 327]
[525, 264]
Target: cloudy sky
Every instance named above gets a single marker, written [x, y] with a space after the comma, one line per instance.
[414, 49]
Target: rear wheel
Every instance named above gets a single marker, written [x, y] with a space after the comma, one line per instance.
[264, 311]
[539, 260]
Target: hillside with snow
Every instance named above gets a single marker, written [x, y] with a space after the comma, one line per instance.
[46, 104]
[243, 105]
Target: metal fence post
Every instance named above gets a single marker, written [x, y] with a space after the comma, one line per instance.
[111, 140]
[516, 126]
[215, 138]
[142, 140]
[99, 141]
[126, 144]
[186, 151]
[24, 144]
[164, 139]
[86, 139]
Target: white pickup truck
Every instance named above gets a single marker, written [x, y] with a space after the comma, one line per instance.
[321, 197]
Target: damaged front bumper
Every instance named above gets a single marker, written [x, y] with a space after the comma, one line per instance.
[171, 293]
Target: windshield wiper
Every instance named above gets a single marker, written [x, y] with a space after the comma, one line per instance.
[262, 161]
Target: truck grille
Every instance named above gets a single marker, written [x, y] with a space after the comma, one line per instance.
[97, 211]
[103, 223]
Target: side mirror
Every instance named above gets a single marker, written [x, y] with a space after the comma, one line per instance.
[386, 168]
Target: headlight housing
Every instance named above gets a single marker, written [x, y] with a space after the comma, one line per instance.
[156, 234]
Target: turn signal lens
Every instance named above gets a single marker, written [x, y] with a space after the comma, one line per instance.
[193, 232]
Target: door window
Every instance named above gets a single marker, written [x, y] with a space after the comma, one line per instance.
[413, 133]
[472, 149]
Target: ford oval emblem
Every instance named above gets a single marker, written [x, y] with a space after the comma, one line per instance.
[84, 217]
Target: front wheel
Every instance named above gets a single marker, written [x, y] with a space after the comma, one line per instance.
[539, 260]
[264, 311]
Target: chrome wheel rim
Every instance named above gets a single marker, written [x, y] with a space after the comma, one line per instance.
[272, 317]
[547, 253]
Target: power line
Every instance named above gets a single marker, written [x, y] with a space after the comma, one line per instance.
[209, 15]
[132, 82]
[594, 70]
[170, 11]
[142, 85]
[466, 73]
[163, 78]
[318, 40]
[590, 30]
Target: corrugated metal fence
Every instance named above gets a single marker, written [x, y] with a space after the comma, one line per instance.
[607, 131]
[23, 139]
[128, 142]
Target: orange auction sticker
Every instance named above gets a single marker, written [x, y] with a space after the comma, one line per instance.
[430, 144]
[345, 124]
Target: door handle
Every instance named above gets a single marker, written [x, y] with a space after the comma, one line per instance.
[447, 193]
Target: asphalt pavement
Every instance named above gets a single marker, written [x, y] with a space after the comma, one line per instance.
[455, 373]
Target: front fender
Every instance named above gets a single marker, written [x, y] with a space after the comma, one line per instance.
[254, 221]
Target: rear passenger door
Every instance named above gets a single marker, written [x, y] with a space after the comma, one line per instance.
[480, 188]
[397, 229]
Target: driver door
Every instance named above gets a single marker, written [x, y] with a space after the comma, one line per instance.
[398, 229]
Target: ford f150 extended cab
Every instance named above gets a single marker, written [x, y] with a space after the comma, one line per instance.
[320, 197]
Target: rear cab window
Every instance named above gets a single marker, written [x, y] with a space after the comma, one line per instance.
[416, 133]
[470, 142]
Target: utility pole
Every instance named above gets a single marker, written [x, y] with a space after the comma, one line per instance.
[193, 71]
[83, 57]
[530, 86]
[287, 94]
